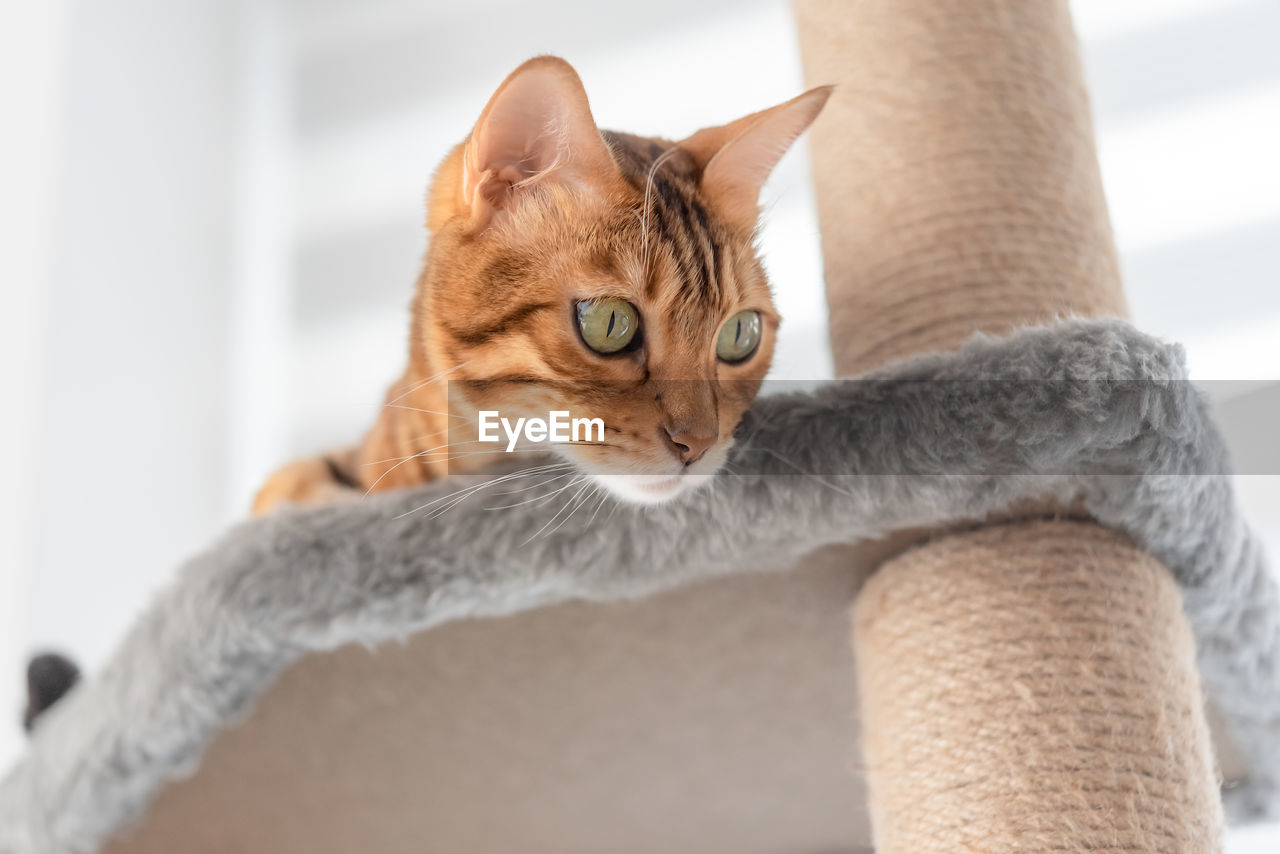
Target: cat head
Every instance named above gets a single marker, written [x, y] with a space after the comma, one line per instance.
[604, 274]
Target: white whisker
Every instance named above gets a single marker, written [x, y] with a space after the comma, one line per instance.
[475, 487]
[801, 471]
[428, 381]
[571, 484]
[644, 213]
[427, 451]
[546, 499]
[577, 505]
[616, 505]
[535, 486]
[404, 460]
[427, 411]
[526, 489]
[604, 496]
[465, 494]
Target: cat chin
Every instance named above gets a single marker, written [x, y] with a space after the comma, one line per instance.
[649, 488]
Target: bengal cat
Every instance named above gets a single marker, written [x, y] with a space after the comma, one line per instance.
[582, 270]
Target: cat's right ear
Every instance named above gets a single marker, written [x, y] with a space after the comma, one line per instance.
[537, 128]
[736, 158]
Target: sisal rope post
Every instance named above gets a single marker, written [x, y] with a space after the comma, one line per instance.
[1027, 691]
[1030, 686]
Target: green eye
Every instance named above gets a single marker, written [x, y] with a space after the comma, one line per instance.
[608, 325]
[739, 336]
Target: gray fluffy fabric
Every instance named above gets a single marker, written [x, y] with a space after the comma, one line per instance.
[1089, 410]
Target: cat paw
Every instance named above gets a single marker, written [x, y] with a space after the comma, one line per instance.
[302, 482]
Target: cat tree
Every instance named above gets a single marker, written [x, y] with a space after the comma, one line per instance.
[1029, 684]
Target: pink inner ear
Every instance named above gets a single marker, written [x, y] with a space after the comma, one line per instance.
[524, 133]
[537, 127]
[735, 174]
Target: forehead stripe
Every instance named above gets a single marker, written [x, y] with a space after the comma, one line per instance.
[690, 241]
[712, 247]
[676, 218]
[508, 322]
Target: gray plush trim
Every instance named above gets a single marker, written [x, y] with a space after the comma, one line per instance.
[935, 439]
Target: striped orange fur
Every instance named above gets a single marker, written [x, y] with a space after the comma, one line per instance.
[534, 213]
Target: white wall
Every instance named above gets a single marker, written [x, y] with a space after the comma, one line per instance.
[31, 52]
[1187, 99]
[131, 444]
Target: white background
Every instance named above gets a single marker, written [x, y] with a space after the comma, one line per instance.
[212, 210]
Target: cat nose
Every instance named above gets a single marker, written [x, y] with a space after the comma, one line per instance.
[689, 444]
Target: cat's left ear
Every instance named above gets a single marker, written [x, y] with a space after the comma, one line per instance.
[736, 158]
[536, 128]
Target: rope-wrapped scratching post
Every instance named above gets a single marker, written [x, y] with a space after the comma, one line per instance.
[1030, 686]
